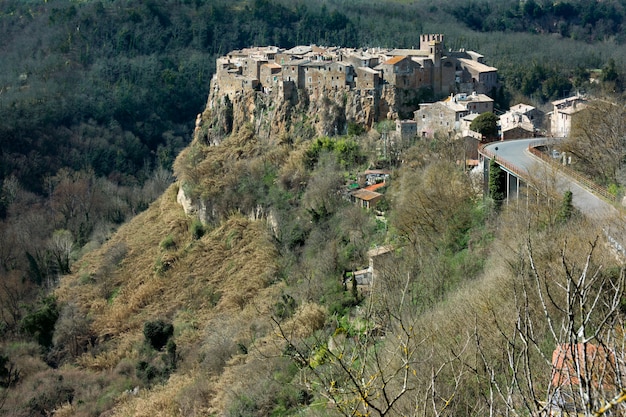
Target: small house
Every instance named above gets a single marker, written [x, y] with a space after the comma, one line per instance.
[366, 198]
[579, 371]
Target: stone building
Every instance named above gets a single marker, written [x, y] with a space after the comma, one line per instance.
[406, 128]
[400, 71]
[367, 78]
[447, 115]
[270, 74]
[379, 72]
[563, 112]
[476, 76]
[521, 121]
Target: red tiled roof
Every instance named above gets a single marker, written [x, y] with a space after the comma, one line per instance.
[374, 187]
[599, 365]
[366, 195]
[394, 60]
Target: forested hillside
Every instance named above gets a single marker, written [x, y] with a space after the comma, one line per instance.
[135, 74]
[254, 313]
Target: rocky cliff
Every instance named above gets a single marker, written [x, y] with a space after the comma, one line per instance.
[301, 115]
[259, 121]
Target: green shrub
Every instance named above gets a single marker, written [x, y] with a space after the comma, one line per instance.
[168, 243]
[615, 190]
[242, 406]
[157, 333]
[40, 322]
[197, 229]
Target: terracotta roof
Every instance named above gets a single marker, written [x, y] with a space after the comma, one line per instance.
[394, 60]
[599, 365]
[374, 187]
[366, 195]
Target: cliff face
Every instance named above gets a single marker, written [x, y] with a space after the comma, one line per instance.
[262, 120]
[301, 115]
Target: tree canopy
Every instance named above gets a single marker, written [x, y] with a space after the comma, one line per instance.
[486, 124]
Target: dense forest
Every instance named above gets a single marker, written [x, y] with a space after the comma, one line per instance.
[97, 101]
[134, 75]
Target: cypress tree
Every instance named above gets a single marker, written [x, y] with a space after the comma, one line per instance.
[567, 208]
[496, 184]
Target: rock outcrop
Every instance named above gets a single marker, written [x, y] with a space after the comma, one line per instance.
[301, 115]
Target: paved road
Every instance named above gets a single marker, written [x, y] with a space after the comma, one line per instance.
[515, 153]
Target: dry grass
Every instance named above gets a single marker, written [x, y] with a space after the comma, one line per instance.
[233, 262]
[221, 281]
[485, 307]
[161, 401]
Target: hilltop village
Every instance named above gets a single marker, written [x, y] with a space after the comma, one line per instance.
[334, 86]
[390, 84]
[368, 85]
[317, 69]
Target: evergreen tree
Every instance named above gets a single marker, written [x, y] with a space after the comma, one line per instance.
[486, 124]
[567, 209]
[497, 184]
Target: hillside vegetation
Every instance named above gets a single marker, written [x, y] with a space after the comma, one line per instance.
[250, 315]
[114, 302]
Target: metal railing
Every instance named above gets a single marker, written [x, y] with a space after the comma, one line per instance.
[582, 180]
[511, 167]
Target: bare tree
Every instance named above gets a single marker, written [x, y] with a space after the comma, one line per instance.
[14, 293]
[60, 246]
[378, 366]
[597, 140]
[565, 354]
[72, 332]
[428, 214]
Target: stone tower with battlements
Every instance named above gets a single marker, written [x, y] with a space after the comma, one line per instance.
[433, 43]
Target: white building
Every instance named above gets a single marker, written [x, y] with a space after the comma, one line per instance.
[563, 112]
